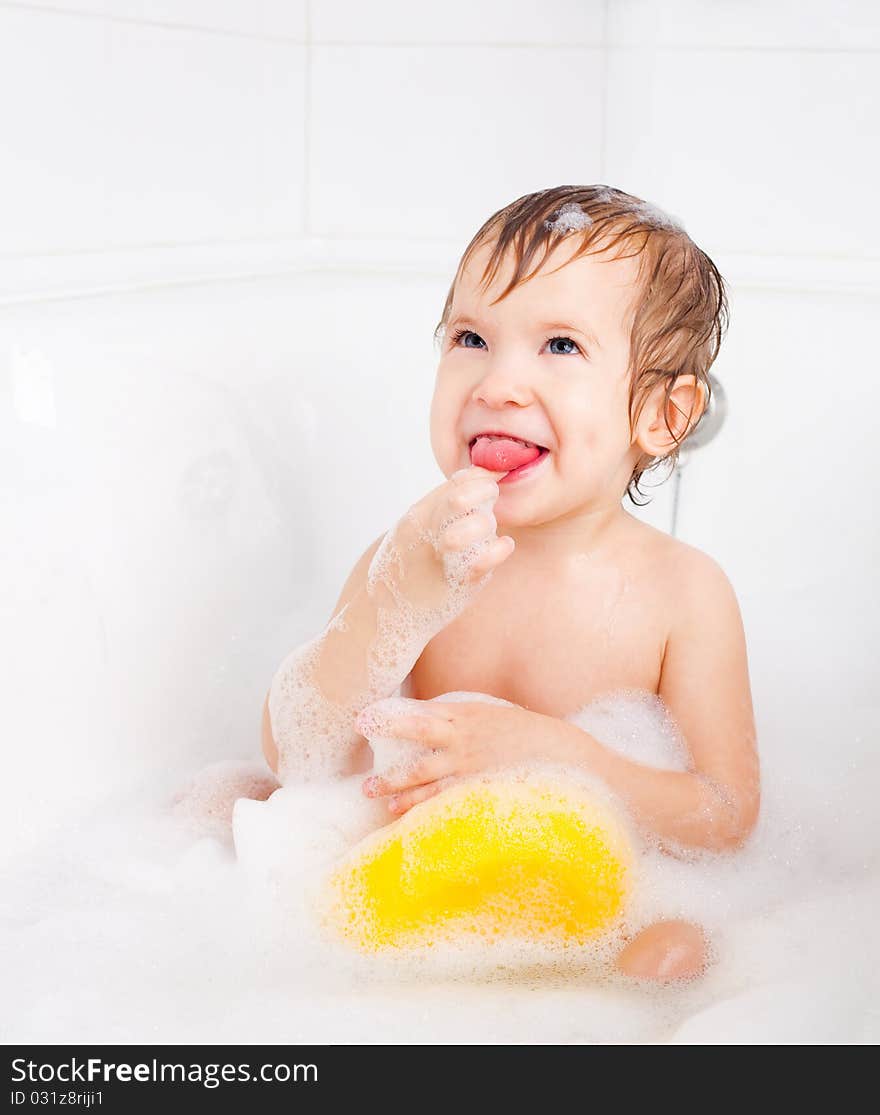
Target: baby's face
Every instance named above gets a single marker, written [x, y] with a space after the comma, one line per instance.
[547, 364]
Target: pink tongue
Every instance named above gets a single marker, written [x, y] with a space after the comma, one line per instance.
[502, 453]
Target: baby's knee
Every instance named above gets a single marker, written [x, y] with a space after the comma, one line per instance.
[665, 951]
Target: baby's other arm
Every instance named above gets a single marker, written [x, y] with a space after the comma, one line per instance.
[704, 684]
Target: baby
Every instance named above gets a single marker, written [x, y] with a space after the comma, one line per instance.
[576, 342]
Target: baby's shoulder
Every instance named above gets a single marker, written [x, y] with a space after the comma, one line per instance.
[686, 575]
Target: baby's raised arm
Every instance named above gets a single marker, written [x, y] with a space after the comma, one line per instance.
[405, 589]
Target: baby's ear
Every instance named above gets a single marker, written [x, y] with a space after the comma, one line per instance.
[663, 422]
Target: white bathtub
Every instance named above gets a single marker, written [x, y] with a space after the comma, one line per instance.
[174, 524]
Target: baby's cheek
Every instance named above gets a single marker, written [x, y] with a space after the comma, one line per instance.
[441, 443]
[443, 448]
[450, 399]
[603, 444]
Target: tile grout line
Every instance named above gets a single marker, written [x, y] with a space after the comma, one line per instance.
[307, 124]
[356, 269]
[164, 25]
[295, 40]
[603, 96]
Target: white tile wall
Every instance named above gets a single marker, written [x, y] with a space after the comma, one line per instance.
[131, 134]
[750, 150]
[781, 497]
[427, 142]
[781, 25]
[560, 22]
[282, 18]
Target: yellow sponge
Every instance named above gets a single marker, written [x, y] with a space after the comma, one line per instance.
[531, 858]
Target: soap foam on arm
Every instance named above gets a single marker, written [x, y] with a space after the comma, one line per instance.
[364, 653]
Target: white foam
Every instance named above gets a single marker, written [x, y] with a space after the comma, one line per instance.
[637, 724]
[657, 216]
[569, 218]
[313, 734]
[703, 888]
[134, 929]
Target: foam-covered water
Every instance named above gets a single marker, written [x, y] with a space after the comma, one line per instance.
[141, 926]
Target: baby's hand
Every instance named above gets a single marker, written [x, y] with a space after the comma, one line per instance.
[445, 542]
[458, 739]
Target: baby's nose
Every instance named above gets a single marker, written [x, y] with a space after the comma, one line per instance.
[503, 384]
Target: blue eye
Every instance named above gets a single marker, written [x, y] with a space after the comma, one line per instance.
[461, 333]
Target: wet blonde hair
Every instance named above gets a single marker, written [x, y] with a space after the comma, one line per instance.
[680, 309]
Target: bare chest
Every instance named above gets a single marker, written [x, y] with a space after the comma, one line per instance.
[550, 645]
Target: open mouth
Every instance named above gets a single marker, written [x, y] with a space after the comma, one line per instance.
[526, 469]
[503, 453]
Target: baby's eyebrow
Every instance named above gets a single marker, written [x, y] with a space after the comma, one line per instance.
[584, 329]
